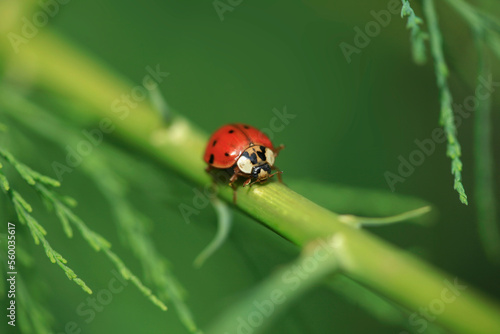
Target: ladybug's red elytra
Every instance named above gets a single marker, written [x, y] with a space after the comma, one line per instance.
[244, 149]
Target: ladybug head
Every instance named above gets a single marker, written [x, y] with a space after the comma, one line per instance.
[261, 172]
[257, 162]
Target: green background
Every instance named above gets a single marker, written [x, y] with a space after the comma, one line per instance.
[352, 122]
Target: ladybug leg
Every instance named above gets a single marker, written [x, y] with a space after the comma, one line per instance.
[247, 182]
[233, 179]
[278, 149]
[279, 172]
[279, 176]
[235, 194]
[232, 185]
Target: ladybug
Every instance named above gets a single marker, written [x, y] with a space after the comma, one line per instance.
[244, 150]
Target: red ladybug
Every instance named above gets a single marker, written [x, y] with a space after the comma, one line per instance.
[245, 150]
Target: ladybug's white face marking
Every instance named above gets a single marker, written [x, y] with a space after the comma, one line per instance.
[244, 164]
[270, 157]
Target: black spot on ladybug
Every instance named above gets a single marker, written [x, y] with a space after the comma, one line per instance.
[253, 158]
[246, 126]
[215, 142]
[226, 154]
[262, 155]
[262, 148]
[211, 159]
[231, 131]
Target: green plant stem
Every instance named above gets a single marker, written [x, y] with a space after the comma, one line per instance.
[279, 284]
[479, 22]
[224, 222]
[376, 264]
[359, 222]
[484, 29]
[483, 153]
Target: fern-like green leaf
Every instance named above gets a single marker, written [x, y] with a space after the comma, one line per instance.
[23, 210]
[447, 119]
[113, 188]
[418, 37]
